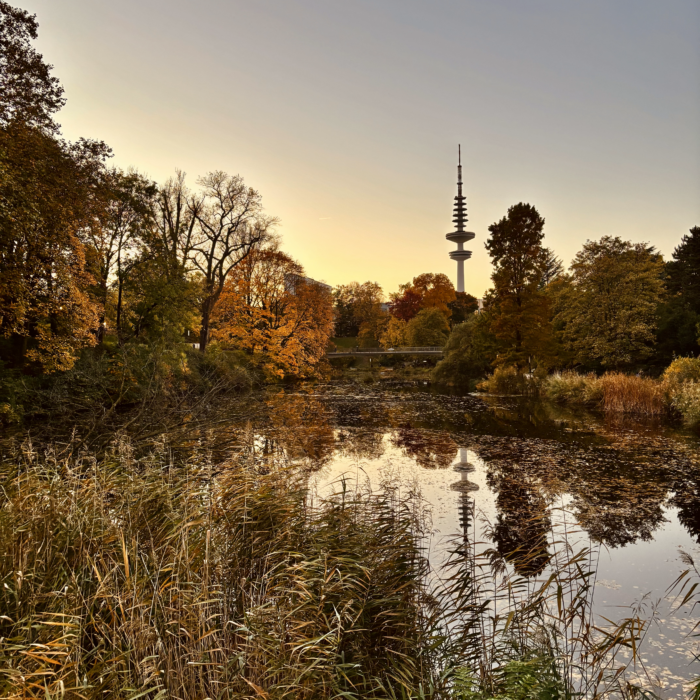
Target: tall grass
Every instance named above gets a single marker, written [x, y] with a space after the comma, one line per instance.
[521, 637]
[130, 578]
[614, 392]
[625, 393]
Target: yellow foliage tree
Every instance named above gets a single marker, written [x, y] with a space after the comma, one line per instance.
[272, 312]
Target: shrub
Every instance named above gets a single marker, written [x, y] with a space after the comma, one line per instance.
[506, 380]
[686, 400]
[683, 369]
[571, 387]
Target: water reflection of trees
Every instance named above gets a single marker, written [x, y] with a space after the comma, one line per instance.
[616, 499]
[303, 426]
[523, 523]
[432, 449]
[686, 498]
[361, 444]
[617, 512]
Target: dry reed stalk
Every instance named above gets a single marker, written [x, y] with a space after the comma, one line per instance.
[624, 393]
[132, 578]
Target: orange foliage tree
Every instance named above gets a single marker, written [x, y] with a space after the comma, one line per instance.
[271, 312]
[426, 291]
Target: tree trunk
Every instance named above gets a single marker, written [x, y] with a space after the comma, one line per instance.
[207, 306]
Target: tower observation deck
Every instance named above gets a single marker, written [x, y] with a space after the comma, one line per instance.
[460, 236]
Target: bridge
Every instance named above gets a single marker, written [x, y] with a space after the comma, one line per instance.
[372, 352]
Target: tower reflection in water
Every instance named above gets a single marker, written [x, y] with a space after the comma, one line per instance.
[464, 487]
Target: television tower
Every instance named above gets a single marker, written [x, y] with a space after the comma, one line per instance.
[460, 236]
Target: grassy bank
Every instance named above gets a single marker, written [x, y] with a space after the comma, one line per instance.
[139, 578]
[149, 381]
[133, 576]
[676, 392]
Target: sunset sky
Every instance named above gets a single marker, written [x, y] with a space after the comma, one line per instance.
[346, 115]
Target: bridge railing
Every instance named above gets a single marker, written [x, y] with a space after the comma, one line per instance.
[431, 348]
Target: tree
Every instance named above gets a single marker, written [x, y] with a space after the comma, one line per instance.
[47, 204]
[405, 305]
[359, 312]
[520, 311]
[462, 308]
[28, 91]
[426, 291]
[284, 327]
[230, 223]
[679, 314]
[609, 313]
[552, 268]
[436, 291]
[428, 328]
[394, 334]
[469, 352]
[116, 239]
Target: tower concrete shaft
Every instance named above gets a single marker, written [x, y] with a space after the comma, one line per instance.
[460, 236]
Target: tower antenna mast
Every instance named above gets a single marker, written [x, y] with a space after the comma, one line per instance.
[460, 236]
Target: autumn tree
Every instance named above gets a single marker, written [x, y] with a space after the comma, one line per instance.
[46, 205]
[426, 291]
[405, 304]
[28, 92]
[609, 313]
[679, 313]
[394, 333]
[428, 328]
[519, 309]
[436, 291]
[272, 312]
[230, 223]
[359, 311]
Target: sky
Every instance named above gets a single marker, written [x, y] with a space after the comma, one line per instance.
[346, 116]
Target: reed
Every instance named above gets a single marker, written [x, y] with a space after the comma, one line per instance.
[571, 387]
[135, 576]
[625, 393]
[141, 578]
[614, 392]
[521, 637]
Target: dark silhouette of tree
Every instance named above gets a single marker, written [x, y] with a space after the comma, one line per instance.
[462, 308]
[552, 268]
[520, 310]
[679, 315]
[28, 91]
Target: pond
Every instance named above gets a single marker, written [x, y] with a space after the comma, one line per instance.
[518, 477]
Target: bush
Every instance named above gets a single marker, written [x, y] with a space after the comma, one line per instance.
[507, 380]
[109, 377]
[686, 400]
[571, 387]
[683, 369]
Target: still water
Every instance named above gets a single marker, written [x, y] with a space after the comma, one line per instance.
[520, 477]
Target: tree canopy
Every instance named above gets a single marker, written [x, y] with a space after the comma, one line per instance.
[608, 312]
[519, 309]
